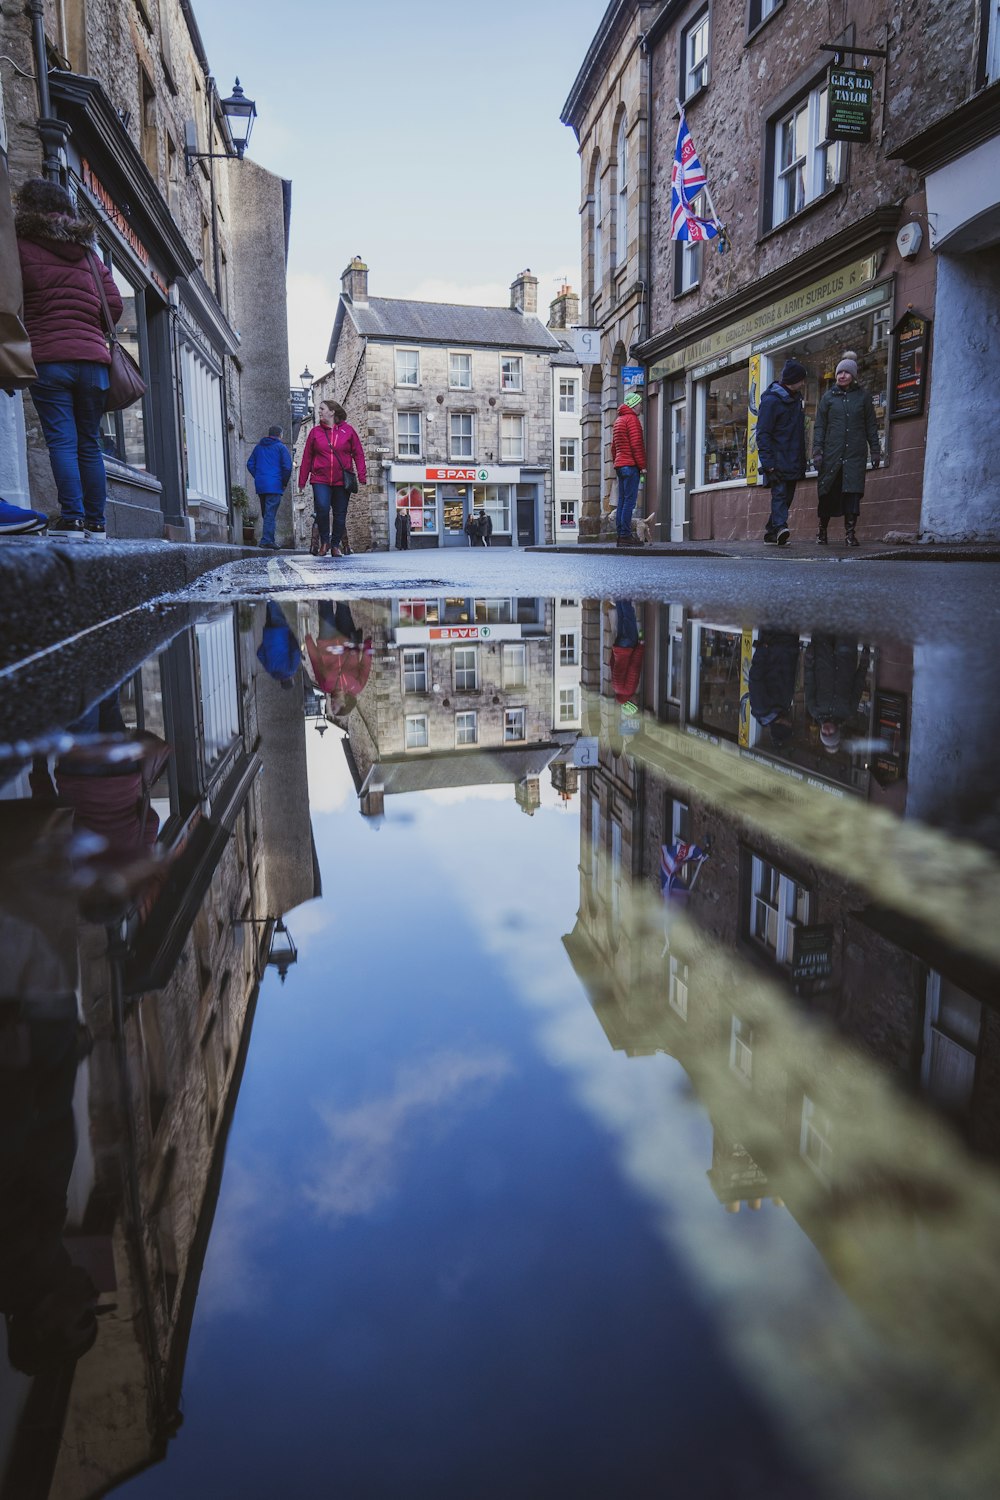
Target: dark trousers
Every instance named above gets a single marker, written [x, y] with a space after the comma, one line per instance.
[628, 493]
[330, 503]
[782, 494]
[69, 398]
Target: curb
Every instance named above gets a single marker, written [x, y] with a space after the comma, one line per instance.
[868, 552]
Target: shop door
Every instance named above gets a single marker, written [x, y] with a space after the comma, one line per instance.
[454, 510]
[678, 470]
[526, 520]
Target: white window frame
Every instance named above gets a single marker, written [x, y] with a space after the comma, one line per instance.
[569, 396]
[741, 1050]
[813, 163]
[515, 664]
[512, 379]
[414, 667]
[456, 448]
[407, 384]
[695, 47]
[409, 452]
[512, 719]
[616, 870]
[464, 719]
[204, 432]
[677, 986]
[512, 428]
[453, 384]
[569, 451]
[569, 705]
[413, 722]
[816, 1139]
[567, 514]
[783, 913]
[569, 648]
[461, 671]
[690, 253]
[621, 210]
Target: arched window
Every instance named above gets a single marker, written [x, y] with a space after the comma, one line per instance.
[621, 222]
[597, 238]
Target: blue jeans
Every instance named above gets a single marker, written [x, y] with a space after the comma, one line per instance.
[327, 497]
[628, 625]
[628, 493]
[269, 505]
[782, 494]
[69, 398]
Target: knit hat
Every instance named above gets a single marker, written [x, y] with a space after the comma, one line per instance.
[830, 737]
[849, 363]
[633, 399]
[793, 372]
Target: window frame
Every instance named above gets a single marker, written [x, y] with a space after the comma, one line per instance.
[459, 354]
[412, 719]
[621, 194]
[512, 449]
[807, 98]
[678, 984]
[597, 228]
[467, 714]
[701, 17]
[416, 452]
[569, 449]
[512, 359]
[741, 1038]
[462, 416]
[514, 676]
[510, 720]
[573, 658]
[759, 12]
[405, 385]
[569, 389]
[567, 508]
[574, 703]
[785, 910]
[689, 255]
[415, 671]
[465, 686]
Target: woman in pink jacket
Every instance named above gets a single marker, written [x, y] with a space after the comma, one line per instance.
[332, 450]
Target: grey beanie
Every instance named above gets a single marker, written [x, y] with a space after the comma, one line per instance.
[849, 363]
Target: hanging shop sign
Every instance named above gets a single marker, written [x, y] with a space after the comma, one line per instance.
[299, 401]
[116, 217]
[889, 760]
[850, 94]
[812, 954]
[911, 339]
[586, 345]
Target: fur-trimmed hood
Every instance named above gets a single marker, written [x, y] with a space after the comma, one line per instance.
[65, 236]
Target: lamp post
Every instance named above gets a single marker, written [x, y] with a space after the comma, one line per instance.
[240, 113]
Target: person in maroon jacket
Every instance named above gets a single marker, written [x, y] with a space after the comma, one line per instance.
[332, 449]
[628, 455]
[62, 313]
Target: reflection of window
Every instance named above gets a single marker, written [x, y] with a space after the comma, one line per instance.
[694, 55]
[513, 724]
[217, 677]
[568, 395]
[567, 512]
[407, 367]
[511, 438]
[460, 427]
[816, 1137]
[715, 679]
[511, 373]
[414, 671]
[123, 433]
[567, 455]
[993, 44]
[568, 651]
[203, 428]
[408, 434]
[568, 706]
[417, 611]
[616, 869]
[494, 499]
[595, 844]
[460, 372]
[952, 1026]
[416, 735]
[466, 728]
[741, 1049]
[778, 904]
[806, 164]
[723, 416]
[677, 987]
[466, 669]
[515, 664]
[420, 503]
[493, 611]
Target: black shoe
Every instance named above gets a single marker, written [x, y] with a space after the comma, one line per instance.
[68, 529]
[95, 531]
[268, 546]
[822, 540]
[850, 540]
[771, 537]
[783, 537]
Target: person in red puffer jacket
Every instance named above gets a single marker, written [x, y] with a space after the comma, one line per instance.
[628, 456]
[62, 313]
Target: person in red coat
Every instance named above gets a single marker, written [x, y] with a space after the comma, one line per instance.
[63, 316]
[628, 456]
[332, 449]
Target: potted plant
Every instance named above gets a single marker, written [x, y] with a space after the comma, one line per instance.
[241, 507]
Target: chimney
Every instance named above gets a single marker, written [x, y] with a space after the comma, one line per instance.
[354, 282]
[524, 293]
[564, 309]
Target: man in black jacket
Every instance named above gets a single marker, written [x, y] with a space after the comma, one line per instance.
[781, 444]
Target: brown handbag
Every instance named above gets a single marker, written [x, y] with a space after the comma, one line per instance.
[125, 385]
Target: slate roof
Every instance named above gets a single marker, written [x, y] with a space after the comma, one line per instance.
[447, 323]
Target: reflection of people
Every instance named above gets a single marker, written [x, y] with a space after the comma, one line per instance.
[773, 674]
[781, 445]
[270, 463]
[835, 677]
[341, 661]
[402, 530]
[279, 653]
[628, 457]
[331, 451]
[64, 319]
[626, 653]
[845, 433]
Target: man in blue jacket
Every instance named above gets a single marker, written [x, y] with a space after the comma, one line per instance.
[270, 463]
[781, 445]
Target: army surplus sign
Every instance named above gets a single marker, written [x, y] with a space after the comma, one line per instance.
[849, 104]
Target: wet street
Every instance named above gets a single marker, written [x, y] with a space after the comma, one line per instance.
[490, 1027]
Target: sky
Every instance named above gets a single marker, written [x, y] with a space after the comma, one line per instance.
[423, 135]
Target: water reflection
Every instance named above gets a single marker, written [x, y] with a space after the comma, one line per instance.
[797, 974]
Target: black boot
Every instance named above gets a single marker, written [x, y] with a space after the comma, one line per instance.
[822, 539]
[850, 540]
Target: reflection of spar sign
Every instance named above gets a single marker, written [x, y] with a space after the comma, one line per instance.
[461, 633]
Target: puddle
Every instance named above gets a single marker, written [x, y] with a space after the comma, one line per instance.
[492, 1046]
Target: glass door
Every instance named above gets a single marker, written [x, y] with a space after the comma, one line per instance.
[454, 510]
[678, 470]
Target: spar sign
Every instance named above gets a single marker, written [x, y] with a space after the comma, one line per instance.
[458, 476]
[460, 633]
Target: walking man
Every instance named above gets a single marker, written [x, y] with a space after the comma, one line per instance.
[628, 455]
[270, 463]
[781, 444]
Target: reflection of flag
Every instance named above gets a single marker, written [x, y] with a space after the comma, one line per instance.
[687, 178]
[674, 859]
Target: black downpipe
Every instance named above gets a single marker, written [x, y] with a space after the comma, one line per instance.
[53, 133]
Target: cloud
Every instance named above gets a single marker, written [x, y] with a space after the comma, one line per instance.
[368, 1143]
[232, 1282]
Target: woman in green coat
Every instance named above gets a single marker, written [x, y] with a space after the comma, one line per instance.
[844, 435]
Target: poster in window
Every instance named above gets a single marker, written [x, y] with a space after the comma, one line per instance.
[911, 341]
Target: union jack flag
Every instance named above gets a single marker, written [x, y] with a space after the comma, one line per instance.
[687, 178]
[673, 859]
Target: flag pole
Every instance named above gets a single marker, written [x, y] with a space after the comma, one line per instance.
[707, 190]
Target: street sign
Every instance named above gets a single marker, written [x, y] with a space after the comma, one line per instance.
[633, 379]
[812, 954]
[849, 104]
[587, 345]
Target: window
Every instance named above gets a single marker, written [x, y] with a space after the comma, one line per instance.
[597, 228]
[688, 254]
[722, 412]
[173, 176]
[952, 1026]
[408, 434]
[806, 164]
[415, 730]
[569, 709]
[568, 448]
[466, 669]
[407, 366]
[466, 728]
[569, 654]
[595, 845]
[569, 399]
[816, 1137]
[511, 437]
[616, 870]
[513, 725]
[677, 987]
[414, 671]
[621, 213]
[778, 904]
[715, 679]
[123, 433]
[460, 372]
[204, 440]
[493, 611]
[460, 427]
[993, 42]
[417, 611]
[869, 336]
[741, 1049]
[420, 503]
[494, 499]
[567, 513]
[511, 373]
[680, 833]
[759, 12]
[515, 664]
[215, 645]
[694, 55]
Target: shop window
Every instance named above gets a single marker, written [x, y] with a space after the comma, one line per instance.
[569, 649]
[420, 503]
[515, 664]
[494, 499]
[417, 611]
[741, 1049]
[805, 163]
[408, 434]
[758, 12]
[461, 434]
[460, 372]
[689, 254]
[694, 56]
[493, 611]
[408, 367]
[715, 679]
[568, 452]
[511, 373]
[778, 904]
[569, 708]
[414, 671]
[466, 669]
[513, 725]
[123, 433]
[868, 336]
[952, 1025]
[722, 413]
[511, 438]
[569, 397]
[204, 438]
[567, 513]
[816, 1138]
[467, 728]
[677, 987]
[416, 735]
[621, 202]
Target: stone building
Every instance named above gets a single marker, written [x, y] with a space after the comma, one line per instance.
[453, 405]
[607, 111]
[195, 237]
[567, 419]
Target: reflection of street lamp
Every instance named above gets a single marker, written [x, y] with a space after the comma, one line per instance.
[282, 952]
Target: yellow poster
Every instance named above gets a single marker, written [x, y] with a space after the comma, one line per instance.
[746, 657]
[753, 405]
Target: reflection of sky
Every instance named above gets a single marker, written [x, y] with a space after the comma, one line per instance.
[438, 1264]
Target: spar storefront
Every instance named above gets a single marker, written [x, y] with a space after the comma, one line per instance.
[440, 498]
[706, 392]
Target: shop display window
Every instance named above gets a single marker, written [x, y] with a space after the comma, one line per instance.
[417, 611]
[724, 425]
[494, 499]
[123, 433]
[869, 338]
[420, 503]
[715, 679]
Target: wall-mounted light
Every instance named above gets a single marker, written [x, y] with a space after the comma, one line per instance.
[240, 113]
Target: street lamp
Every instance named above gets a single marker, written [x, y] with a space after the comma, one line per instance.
[240, 113]
[306, 379]
[283, 952]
